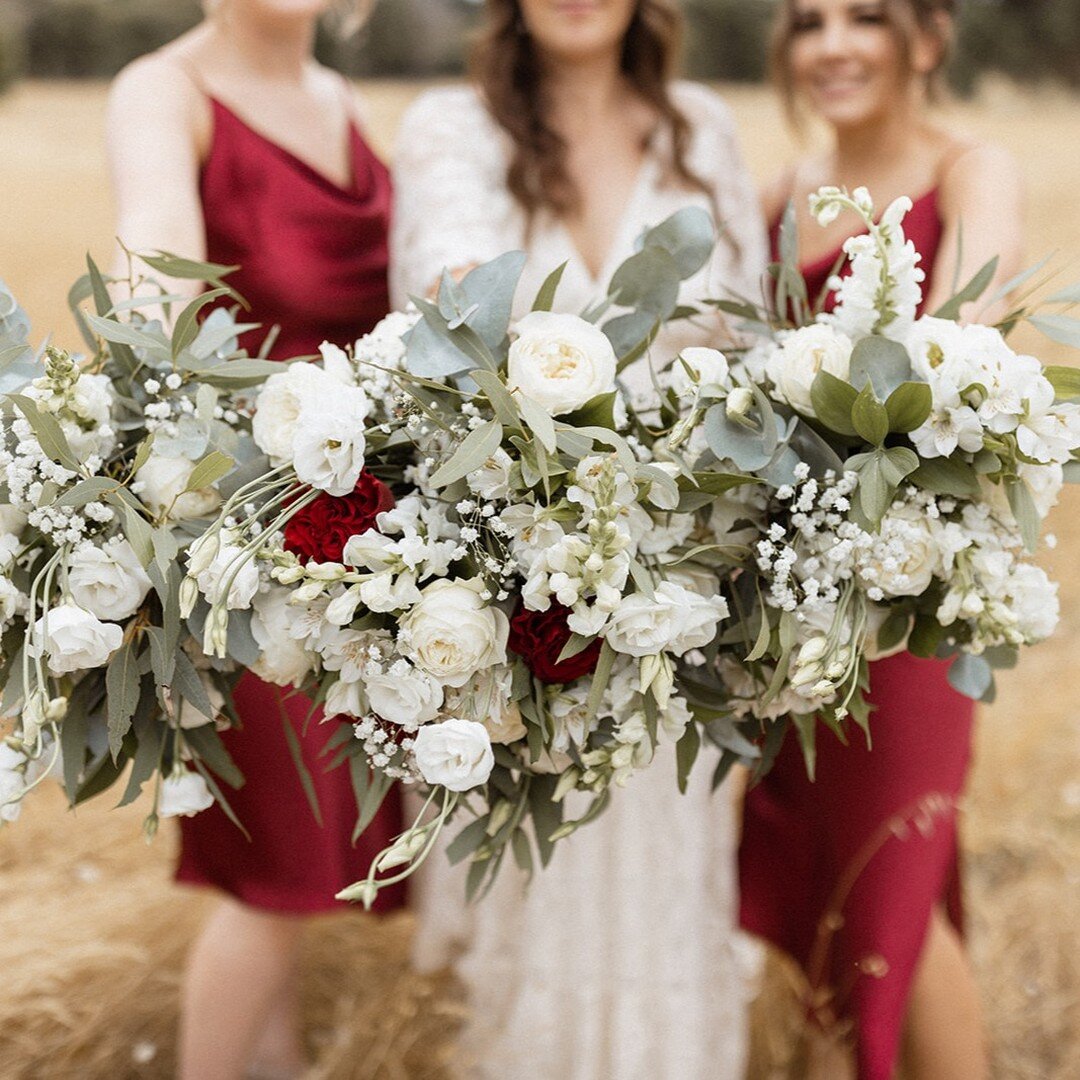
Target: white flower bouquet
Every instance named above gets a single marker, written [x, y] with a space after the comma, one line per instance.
[906, 466]
[478, 558]
[110, 465]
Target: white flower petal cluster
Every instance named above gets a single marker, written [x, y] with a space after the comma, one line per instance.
[162, 483]
[283, 660]
[215, 564]
[184, 794]
[695, 369]
[673, 620]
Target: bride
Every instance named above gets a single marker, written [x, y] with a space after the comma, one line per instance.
[620, 960]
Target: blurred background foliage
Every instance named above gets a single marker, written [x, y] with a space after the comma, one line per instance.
[1030, 40]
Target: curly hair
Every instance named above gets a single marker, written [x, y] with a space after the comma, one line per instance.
[507, 71]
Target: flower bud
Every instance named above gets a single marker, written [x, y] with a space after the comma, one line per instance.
[363, 892]
[813, 650]
[738, 403]
[189, 595]
[403, 852]
[56, 710]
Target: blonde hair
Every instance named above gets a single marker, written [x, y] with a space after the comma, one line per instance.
[907, 19]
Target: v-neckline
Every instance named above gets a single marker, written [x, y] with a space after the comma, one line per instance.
[619, 238]
[352, 135]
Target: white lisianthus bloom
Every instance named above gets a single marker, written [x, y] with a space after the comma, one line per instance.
[184, 794]
[802, 355]
[72, 639]
[161, 483]
[343, 699]
[673, 620]
[387, 592]
[950, 426]
[452, 633]
[329, 444]
[560, 362]
[282, 659]
[488, 696]
[404, 695]
[212, 577]
[108, 581]
[277, 408]
[492, 479]
[336, 363]
[455, 754]
[698, 367]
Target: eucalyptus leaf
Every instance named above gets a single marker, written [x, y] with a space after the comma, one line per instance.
[883, 363]
[1024, 510]
[539, 421]
[504, 404]
[648, 282]
[970, 292]
[686, 753]
[746, 448]
[238, 374]
[971, 676]
[122, 686]
[125, 333]
[187, 322]
[545, 298]
[50, 435]
[631, 334]
[1060, 328]
[474, 451]
[210, 470]
[688, 236]
[175, 266]
[87, 491]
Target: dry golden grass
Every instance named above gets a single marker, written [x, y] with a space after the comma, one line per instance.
[94, 933]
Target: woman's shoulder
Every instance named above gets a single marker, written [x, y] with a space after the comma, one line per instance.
[973, 172]
[161, 83]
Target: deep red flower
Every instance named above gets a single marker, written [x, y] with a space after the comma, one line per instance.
[539, 636]
[320, 531]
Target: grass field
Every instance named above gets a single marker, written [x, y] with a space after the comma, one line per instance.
[89, 962]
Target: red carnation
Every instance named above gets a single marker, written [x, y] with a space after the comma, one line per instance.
[320, 531]
[539, 636]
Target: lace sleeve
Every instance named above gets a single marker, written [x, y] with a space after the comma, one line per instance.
[450, 201]
[742, 254]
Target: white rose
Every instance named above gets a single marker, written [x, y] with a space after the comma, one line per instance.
[282, 659]
[184, 794]
[244, 583]
[802, 355]
[674, 620]
[277, 408]
[162, 482]
[708, 367]
[455, 754]
[74, 640]
[906, 553]
[109, 581]
[452, 633]
[188, 717]
[560, 362]
[409, 698]
[328, 447]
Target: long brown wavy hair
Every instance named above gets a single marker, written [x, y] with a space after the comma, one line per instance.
[507, 70]
[906, 17]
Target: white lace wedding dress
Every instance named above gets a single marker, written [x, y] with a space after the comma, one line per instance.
[621, 960]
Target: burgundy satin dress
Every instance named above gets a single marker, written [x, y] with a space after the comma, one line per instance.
[313, 260]
[843, 873]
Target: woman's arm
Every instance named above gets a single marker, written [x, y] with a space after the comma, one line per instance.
[982, 204]
[156, 126]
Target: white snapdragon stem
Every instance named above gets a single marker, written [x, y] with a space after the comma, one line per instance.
[367, 890]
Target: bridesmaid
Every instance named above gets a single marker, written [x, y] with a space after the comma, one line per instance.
[233, 144]
[856, 875]
[621, 960]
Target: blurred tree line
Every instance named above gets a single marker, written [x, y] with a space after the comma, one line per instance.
[1030, 40]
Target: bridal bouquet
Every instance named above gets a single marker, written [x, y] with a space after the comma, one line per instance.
[110, 465]
[907, 466]
[471, 551]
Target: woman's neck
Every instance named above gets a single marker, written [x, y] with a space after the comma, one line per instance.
[880, 146]
[279, 48]
[584, 93]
